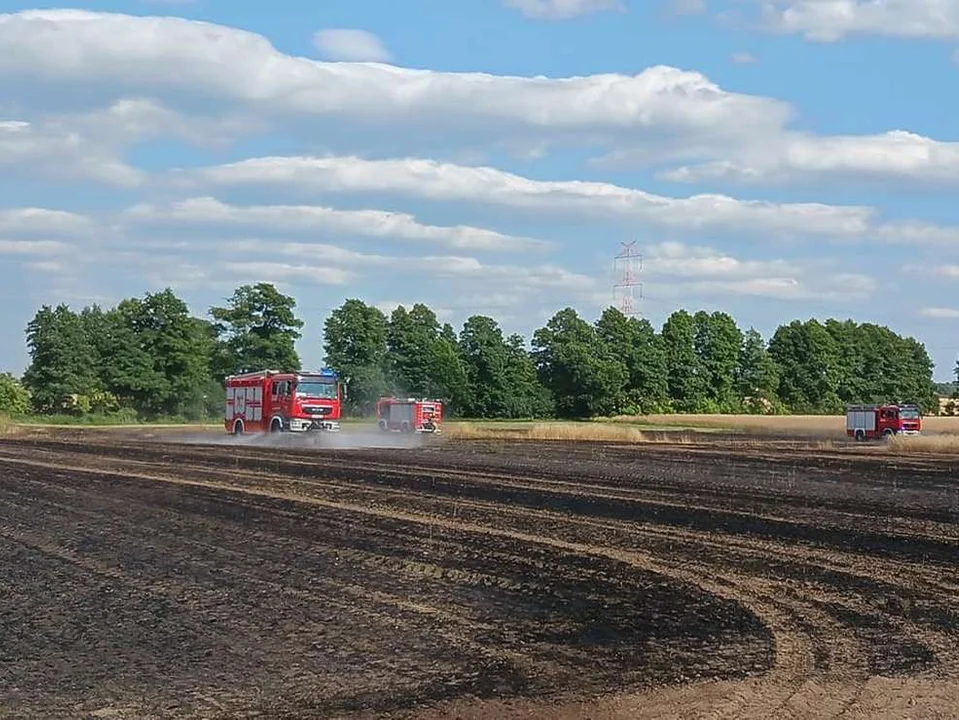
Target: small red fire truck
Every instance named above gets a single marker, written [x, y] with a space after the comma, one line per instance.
[409, 415]
[882, 420]
[273, 401]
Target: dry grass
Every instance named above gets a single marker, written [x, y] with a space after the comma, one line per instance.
[818, 425]
[7, 426]
[567, 431]
[938, 444]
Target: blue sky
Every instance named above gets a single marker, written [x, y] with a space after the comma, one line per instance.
[775, 159]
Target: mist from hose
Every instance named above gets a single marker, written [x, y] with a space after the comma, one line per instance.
[348, 438]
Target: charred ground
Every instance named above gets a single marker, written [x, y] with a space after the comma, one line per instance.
[144, 577]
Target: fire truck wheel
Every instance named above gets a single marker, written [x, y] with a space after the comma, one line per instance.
[276, 426]
[860, 435]
[238, 427]
[382, 425]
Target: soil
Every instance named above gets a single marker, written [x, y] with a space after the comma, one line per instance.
[152, 575]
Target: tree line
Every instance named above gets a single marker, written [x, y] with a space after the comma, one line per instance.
[150, 358]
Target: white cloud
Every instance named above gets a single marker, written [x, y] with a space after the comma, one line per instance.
[679, 260]
[448, 182]
[176, 58]
[32, 247]
[916, 232]
[50, 152]
[895, 154]
[89, 145]
[939, 313]
[563, 9]
[159, 68]
[260, 271]
[833, 20]
[704, 271]
[298, 218]
[351, 45]
[443, 314]
[42, 220]
[743, 58]
[454, 267]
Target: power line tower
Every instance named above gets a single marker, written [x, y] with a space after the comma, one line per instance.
[626, 266]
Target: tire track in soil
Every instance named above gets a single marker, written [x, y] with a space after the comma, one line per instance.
[805, 678]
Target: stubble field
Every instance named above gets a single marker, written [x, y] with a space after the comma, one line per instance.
[151, 574]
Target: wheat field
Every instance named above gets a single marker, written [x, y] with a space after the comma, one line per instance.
[940, 434]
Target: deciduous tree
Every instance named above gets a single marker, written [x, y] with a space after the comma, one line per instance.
[257, 329]
[355, 347]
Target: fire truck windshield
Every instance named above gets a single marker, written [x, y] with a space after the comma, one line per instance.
[909, 414]
[316, 389]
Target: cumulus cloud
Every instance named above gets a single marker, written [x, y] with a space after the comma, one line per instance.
[445, 181]
[42, 220]
[298, 218]
[892, 155]
[939, 313]
[833, 20]
[89, 145]
[563, 9]
[351, 45]
[162, 70]
[32, 247]
[705, 271]
[184, 59]
[49, 151]
[679, 260]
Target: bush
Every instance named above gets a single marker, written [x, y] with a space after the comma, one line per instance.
[14, 398]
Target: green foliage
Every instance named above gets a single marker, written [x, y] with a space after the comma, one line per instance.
[179, 348]
[580, 370]
[257, 329]
[757, 377]
[718, 342]
[355, 347]
[14, 397]
[684, 372]
[498, 378]
[63, 360]
[635, 343]
[148, 358]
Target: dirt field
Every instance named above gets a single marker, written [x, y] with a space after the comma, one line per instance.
[150, 575]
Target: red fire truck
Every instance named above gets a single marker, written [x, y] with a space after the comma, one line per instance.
[882, 420]
[273, 401]
[409, 415]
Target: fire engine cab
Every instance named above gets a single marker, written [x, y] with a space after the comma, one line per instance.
[273, 401]
[882, 420]
[409, 415]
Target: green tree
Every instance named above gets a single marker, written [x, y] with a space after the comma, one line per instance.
[355, 347]
[412, 339]
[635, 342]
[528, 398]
[448, 372]
[684, 374]
[179, 348]
[718, 340]
[14, 397]
[257, 330]
[757, 376]
[485, 358]
[810, 367]
[578, 368]
[63, 361]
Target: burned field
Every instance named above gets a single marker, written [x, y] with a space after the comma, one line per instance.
[143, 577]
